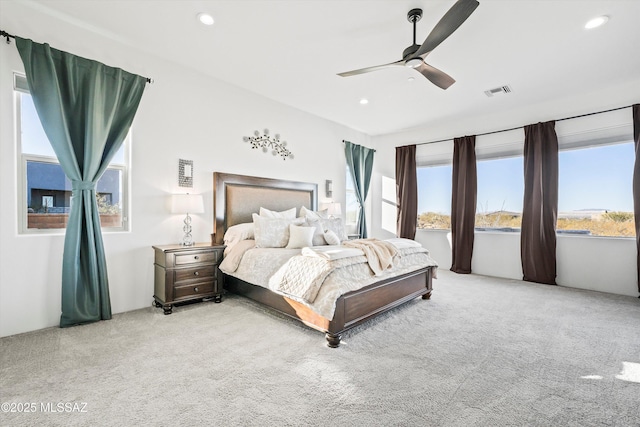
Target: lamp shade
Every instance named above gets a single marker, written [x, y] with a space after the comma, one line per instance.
[187, 203]
[334, 209]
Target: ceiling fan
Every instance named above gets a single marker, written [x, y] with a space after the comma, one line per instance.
[413, 56]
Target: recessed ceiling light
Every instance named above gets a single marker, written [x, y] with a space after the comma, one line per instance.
[411, 79]
[364, 101]
[205, 18]
[596, 22]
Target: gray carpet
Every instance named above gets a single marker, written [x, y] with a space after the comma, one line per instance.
[481, 352]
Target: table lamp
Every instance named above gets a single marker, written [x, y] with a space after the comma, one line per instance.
[187, 204]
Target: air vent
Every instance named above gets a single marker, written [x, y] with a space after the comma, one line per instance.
[501, 89]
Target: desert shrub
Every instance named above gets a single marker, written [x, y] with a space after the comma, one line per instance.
[434, 220]
[618, 216]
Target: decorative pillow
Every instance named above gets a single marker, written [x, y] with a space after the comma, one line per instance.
[289, 213]
[318, 236]
[309, 214]
[335, 225]
[300, 236]
[272, 232]
[238, 232]
[331, 238]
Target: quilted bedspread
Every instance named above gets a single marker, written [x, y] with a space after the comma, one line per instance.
[318, 276]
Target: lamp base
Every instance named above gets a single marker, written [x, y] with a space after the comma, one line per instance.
[187, 240]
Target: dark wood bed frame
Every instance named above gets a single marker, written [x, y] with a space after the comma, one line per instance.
[236, 197]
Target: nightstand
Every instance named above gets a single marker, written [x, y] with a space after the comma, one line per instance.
[185, 273]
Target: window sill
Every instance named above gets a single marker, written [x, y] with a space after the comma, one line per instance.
[562, 234]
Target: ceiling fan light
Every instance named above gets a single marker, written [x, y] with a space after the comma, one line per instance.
[413, 62]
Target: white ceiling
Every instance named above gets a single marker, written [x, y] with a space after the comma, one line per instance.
[291, 50]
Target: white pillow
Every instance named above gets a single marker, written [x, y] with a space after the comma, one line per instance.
[331, 238]
[272, 232]
[238, 232]
[335, 225]
[318, 236]
[289, 213]
[300, 236]
[309, 214]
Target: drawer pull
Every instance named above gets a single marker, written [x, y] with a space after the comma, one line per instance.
[195, 289]
[195, 273]
[196, 257]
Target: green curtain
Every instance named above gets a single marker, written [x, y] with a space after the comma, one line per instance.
[86, 109]
[360, 163]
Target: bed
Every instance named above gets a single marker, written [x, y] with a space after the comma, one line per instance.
[238, 197]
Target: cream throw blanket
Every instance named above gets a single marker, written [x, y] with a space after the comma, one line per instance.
[379, 253]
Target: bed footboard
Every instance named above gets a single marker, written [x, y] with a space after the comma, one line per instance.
[352, 308]
[359, 306]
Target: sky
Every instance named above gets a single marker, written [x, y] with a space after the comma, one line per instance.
[34, 140]
[592, 178]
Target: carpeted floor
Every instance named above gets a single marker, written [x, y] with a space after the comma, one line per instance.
[481, 352]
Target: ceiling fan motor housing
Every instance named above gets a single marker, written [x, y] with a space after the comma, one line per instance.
[408, 52]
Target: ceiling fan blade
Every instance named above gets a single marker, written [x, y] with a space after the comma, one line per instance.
[450, 22]
[435, 76]
[369, 69]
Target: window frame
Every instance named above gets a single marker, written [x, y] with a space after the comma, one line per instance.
[19, 88]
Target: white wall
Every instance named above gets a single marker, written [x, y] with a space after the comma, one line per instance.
[184, 114]
[595, 263]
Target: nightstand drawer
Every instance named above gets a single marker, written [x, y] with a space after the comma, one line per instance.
[197, 257]
[191, 290]
[203, 272]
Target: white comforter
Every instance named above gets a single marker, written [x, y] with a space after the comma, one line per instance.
[346, 270]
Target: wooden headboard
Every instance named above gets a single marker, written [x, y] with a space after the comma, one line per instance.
[237, 197]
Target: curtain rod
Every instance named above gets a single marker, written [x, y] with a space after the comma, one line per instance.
[11, 36]
[519, 127]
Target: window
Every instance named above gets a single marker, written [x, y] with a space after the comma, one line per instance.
[434, 197]
[45, 197]
[594, 194]
[353, 207]
[595, 191]
[500, 194]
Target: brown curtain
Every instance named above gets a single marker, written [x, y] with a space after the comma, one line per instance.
[636, 183]
[406, 191]
[540, 208]
[463, 203]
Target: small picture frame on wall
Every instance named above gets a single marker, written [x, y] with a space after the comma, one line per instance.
[185, 173]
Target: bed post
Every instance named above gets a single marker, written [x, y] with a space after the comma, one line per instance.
[333, 340]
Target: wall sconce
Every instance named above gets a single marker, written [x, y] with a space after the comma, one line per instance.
[329, 188]
[186, 204]
[185, 173]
